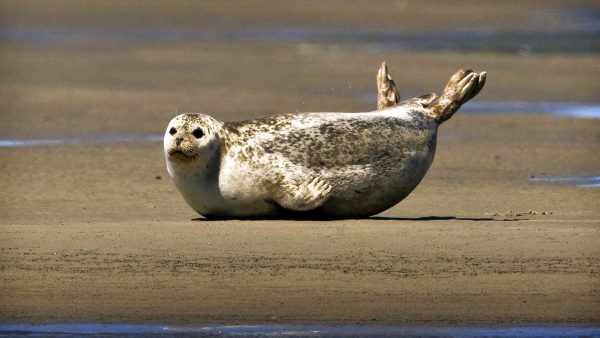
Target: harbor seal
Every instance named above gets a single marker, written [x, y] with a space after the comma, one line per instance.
[312, 165]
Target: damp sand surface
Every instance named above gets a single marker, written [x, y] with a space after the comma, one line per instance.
[93, 231]
[98, 233]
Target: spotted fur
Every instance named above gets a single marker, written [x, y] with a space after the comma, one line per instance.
[316, 165]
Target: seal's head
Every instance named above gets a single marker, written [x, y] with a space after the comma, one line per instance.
[191, 139]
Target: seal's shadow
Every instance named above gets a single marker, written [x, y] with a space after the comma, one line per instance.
[374, 218]
[446, 218]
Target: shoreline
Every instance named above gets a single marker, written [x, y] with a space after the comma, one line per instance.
[294, 330]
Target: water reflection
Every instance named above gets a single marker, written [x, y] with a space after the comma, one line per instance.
[582, 40]
[130, 330]
[589, 181]
[98, 139]
[571, 109]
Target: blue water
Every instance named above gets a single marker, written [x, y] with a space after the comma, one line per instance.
[576, 33]
[481, 39]
[570, 109]
[580, 110]
[130, 330]
[567, 109]
[98, 139]
[589, 181]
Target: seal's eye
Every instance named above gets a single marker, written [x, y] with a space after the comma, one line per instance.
[172, 131]
[198, 133]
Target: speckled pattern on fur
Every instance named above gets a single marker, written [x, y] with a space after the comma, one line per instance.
[308, 165]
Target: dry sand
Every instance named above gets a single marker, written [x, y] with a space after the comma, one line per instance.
[96, 232]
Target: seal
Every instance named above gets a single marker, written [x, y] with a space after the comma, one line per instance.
[327, 165]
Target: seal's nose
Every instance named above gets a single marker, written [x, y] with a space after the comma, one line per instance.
[178, 141]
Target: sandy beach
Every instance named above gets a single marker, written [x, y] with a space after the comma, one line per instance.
[92, 230]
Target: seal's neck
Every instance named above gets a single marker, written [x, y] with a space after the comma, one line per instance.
[199, 184]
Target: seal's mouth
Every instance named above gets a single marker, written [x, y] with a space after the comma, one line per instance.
[180, 156]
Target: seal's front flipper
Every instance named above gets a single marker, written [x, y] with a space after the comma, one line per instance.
[461, 87]
[305, 196]
[387, 93]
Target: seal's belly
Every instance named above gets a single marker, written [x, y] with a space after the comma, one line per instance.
[213, 203]
[376, 190]
[358, 190]
[369, 167]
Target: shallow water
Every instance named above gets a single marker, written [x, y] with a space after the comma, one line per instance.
[98, 139]
[580, 110]
[127, 330]
[567, 109]
[577, 36]
[589, 181]
[480, 40]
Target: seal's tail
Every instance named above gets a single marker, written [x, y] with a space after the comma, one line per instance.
[461, 87]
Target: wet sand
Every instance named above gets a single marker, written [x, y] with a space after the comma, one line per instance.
[90, 234]
[96, 232]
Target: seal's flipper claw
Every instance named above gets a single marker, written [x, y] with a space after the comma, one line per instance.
[465, 87]
[461, 87]
[387, 93]
[308, 195]
[480, 83]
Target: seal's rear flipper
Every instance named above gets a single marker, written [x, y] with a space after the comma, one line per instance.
[461, 87]
[387, 93]
[308, 195]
